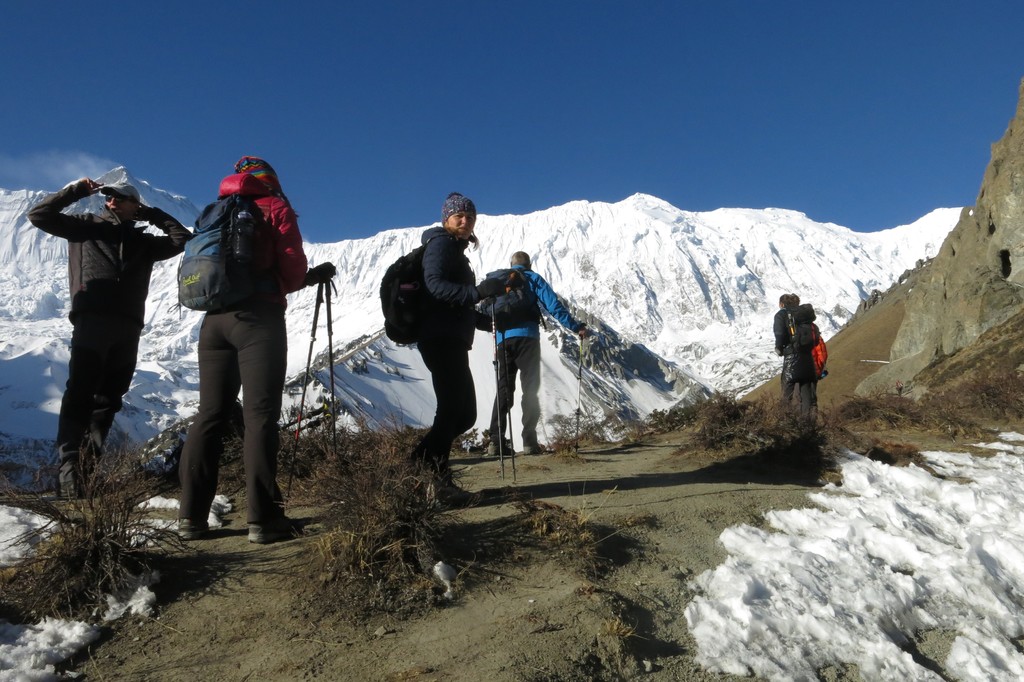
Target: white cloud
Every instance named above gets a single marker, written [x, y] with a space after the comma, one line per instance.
[49, 170]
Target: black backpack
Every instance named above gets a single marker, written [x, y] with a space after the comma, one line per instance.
[517, 306]
[402, 294]
[805, 335]
[216, 267]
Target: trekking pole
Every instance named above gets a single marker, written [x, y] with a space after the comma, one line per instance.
[330, 351]
[579, 397]
[497, 392]
[509, 388]
[305, 383]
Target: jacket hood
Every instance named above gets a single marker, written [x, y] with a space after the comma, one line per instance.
[244, 184]
[430, 233]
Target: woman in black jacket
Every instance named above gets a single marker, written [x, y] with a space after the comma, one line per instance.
[446, 335]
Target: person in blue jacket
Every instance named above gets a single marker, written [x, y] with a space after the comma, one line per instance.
[518, 351]
[446, 336]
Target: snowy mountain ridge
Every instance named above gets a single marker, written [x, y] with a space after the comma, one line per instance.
[685, 298]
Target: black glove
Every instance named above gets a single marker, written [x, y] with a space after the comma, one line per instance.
[490, 287]
[321, 274]
[149, 214]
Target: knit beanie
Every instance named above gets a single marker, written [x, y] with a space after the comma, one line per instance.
[261, 170]
[456, 203]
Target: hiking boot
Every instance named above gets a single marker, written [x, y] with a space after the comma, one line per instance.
[272, 531]
[192, 530]
[492, 449]
[68, 485]
[454, 497]
[447, 495]
[69, 491]
[532, 450]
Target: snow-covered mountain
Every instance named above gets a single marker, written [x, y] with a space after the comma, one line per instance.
[684, 301]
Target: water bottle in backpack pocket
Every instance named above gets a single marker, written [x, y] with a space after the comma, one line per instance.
[243, 229]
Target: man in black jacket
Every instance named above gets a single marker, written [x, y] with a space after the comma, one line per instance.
[110, 261]
[783, 329]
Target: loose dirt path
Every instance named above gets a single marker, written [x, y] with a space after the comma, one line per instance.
[233, 611]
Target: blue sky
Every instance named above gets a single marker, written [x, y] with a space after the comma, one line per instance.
[866, 114]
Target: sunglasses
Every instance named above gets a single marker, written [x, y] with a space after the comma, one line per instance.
[118, 197]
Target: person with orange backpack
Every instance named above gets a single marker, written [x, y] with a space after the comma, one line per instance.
[784, 333]
[805, 344]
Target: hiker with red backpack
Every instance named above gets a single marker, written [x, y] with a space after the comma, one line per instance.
[784, 331]
[243, 345]
[807, 350]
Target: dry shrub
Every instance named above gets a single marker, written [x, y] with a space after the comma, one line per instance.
[894, 454]
[570, 432]
[673, 419]
[985, 396]
[381, 527]
[882, 410]
[764, 428]
[936, 413]
[571, 532]
[634, 430]
[90, 547]
[640, 520]
[617, 628]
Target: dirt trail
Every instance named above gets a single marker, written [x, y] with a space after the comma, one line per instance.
[234, 611]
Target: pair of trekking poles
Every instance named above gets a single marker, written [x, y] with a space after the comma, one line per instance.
[323, 297]
[323, 293]
[508, 400]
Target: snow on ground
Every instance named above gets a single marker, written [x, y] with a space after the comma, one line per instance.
[891, 552]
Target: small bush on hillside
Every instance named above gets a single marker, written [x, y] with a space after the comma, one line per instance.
[673, 419]
[764, 428]
[91, 547]
[894, 454]
[570, 532]
[881, 409]
[634, 430]
[381, 525]
[985, 396]
[570, 432]
[884, 410]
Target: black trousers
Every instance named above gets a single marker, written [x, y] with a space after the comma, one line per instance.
[786, 378]
[244, 349]
[519, 354]
[808, 391]
[448, 362]
[104, 350]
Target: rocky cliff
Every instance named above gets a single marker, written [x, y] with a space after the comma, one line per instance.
[976, 281]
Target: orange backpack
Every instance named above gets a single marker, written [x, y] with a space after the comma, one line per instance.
[820, 354]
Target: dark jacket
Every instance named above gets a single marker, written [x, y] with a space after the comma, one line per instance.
[109, 261]
[803, 358]
[783, 337]
[451, 288]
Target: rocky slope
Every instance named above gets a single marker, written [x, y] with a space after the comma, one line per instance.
[976, 281]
